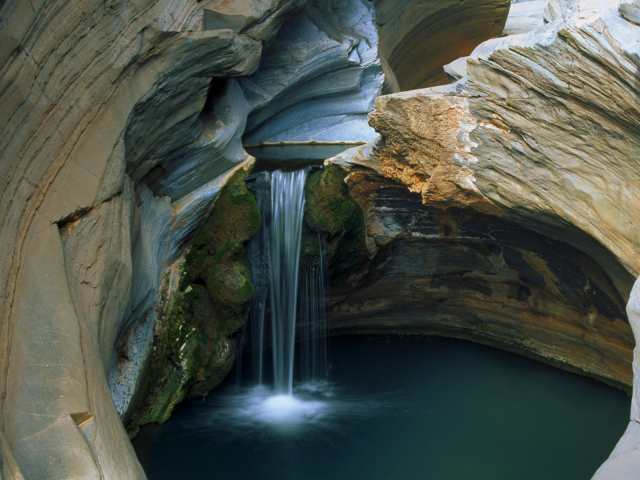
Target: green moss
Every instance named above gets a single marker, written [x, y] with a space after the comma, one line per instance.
[192, 347]
[331, 212]
[328, 205]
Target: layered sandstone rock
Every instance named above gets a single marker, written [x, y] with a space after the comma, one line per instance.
[317, 81]
[417, 38]
[483, 277]
[525, 16]
[97, 101]
[541, 135]
[115, 141]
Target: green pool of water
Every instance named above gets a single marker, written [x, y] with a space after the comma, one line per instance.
[399, 408]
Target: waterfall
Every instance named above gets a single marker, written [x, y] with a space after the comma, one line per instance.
[285, 232]
[274, 254]
[315, 351]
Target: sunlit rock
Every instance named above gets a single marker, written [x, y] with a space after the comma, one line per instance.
[540, 133]
[525, 17]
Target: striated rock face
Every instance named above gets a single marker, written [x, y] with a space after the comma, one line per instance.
[525, 16]
[537, 140]
[496, 142]
[418, 38]
[465, 274]
[504, 203]
[317, 81]
[103, 116]
[203, 301]
[332, 213]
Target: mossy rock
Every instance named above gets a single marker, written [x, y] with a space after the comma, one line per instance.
[331, 213]
[218, 257]
[192, 347]
[328, 206]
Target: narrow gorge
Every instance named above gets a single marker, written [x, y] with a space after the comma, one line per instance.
[468, 173]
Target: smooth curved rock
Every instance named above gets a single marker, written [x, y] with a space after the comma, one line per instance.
[94, 97]
[528, 135]
[479, 276]
[541, 132]
[418, 38]
[630, 9]
[108, 164]
[217, 148]
[624, 462]
[317, 81]
[525, 17]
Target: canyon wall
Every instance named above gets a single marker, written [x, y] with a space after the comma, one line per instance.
[499, 208]
[121, 123]
[418, 37]
[536, 142]
[112, 143]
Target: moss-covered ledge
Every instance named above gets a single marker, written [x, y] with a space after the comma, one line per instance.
[331, 213]
[193, 349]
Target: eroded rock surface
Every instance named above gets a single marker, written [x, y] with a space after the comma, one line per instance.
[483, 277]
[317, 81]
[97, 100]
[525, 17]
[418, 38]
[115, 141]
[202, 302]
[541, 134]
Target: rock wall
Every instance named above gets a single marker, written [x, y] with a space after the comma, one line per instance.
[540, 133]
[102, 102]
[418, 37]
[317, 81]
[477, 276]
[123, 120]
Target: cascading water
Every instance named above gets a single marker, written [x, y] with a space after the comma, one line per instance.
[285, 232]
[296, 299]
[313, 320]
[256, 250]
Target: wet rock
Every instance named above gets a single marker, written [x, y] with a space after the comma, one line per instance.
[202, 306]
[460, 273]
[331, 213]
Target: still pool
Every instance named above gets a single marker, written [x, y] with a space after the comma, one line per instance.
[397, 408]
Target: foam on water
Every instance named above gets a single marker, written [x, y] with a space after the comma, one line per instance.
[313, 409]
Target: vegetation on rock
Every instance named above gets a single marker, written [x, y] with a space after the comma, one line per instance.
[192, 346]
[330, 212]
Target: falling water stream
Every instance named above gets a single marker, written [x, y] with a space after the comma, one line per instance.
[285, 231]
[295, 301]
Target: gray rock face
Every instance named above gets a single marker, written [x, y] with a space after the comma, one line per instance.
[114, 142]
[216, 149]
[318, 80]
[96, 99]
[525, 17]
[630, 9]
[161, 231]
[418, 38]
[483, 277]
